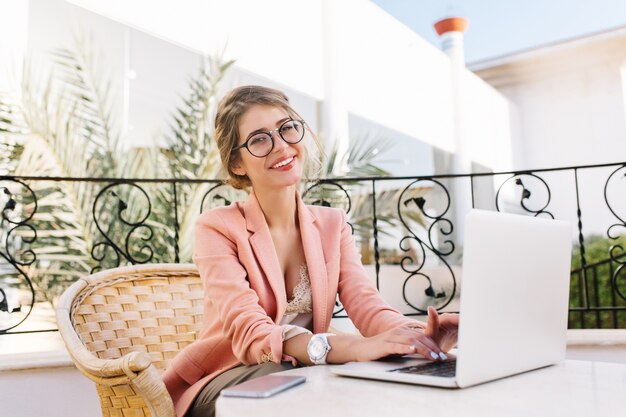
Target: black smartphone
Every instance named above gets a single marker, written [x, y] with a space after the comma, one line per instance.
[264, 386]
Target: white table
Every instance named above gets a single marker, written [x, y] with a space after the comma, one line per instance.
[571, 389]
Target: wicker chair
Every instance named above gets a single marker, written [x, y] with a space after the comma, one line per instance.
[123, 326]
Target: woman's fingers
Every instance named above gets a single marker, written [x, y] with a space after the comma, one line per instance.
[404, 349]
[406, 340]
[450, 339]
[432, 327]
[420, 343]
[429, 343]
[448, 331]
[442, 329]
[421, 336]
[413, 339]
[426, 351]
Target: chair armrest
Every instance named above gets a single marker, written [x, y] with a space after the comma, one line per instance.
[127, 365]
[134, 374]
[134, 368]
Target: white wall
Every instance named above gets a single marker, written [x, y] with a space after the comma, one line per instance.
[50, 392]
[273, 38]
[57, 24]
[391, 76]
[38, 378]
[571, 101]
[487, 124]
[395, 77]
[13, 24]
[572, 116]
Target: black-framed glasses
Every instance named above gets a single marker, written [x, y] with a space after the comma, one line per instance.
[261, 143]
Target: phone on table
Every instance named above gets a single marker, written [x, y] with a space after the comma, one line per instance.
[264, 386]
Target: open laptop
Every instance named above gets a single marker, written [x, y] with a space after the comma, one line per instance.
[513, 308]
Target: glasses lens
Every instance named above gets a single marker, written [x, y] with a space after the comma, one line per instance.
[260, 144]
[292, 131]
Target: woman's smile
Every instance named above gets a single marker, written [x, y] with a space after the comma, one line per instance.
[284, 164]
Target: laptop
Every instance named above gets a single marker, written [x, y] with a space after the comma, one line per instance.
[513, 307]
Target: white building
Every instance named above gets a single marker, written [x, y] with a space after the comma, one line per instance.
[570, 98]
[570, 102]
[348, 66]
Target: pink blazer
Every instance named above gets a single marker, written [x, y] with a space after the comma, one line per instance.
[246, 296]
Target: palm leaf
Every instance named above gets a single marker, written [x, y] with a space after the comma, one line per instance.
[359, 160]
[92, 102]
[63, 123]
[192, 152]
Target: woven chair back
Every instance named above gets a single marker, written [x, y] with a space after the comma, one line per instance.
[154, 311]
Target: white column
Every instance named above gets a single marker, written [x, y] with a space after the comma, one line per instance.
[451, 31]
[334, 121]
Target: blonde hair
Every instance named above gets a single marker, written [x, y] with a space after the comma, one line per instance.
[231, 109]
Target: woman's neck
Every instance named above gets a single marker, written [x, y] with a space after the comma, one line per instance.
[279, 206]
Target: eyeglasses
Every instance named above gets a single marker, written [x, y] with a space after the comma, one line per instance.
[261, 143]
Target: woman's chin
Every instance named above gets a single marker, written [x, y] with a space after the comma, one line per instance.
[284, 181]
[287, 179]
[288, 182]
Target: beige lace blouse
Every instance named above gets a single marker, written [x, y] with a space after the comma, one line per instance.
[298, 317]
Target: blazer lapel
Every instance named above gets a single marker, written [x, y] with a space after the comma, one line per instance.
[265, 252]
[312, 244]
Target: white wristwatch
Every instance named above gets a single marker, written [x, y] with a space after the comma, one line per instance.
[318, 348]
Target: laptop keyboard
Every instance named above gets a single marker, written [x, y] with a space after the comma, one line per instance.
[444, 369]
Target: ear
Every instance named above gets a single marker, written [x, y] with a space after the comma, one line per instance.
[237, 168]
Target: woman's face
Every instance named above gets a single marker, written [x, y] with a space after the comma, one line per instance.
[283, 166]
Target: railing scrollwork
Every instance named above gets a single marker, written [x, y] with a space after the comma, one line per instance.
[134, 221]
[616, 251]
[17, 234]
[404, 224]
[413, 263]
[526, 194]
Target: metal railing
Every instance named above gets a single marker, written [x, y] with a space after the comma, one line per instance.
[55, 229]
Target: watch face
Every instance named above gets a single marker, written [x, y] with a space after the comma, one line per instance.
[317, 349]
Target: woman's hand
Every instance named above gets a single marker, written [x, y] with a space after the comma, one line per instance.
[443, 330]
[399, 341]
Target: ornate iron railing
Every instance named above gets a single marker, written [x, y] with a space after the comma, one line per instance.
[405, 227]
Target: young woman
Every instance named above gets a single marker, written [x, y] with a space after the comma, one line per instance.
[273, 266]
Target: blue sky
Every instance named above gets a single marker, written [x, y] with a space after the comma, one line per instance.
[498, 27]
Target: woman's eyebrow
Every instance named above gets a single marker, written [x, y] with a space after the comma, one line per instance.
[254, 132]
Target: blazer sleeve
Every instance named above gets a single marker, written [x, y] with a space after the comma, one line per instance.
[362, 301]
[255, 337]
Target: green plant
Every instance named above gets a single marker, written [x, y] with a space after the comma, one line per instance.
[63, 123]
[598, 277]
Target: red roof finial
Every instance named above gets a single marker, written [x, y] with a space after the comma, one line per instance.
[451, 24]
